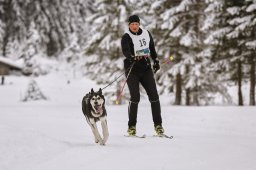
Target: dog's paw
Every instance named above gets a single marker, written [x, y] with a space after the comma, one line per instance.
[102, 144]
[104, 141]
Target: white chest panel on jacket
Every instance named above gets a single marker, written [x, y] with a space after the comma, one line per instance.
[141, 43]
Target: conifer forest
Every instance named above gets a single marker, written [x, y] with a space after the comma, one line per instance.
[213, 42]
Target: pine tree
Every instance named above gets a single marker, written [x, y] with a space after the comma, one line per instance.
[8, 24]
[250, 44]
[55, 21]
[162, 24]
[231, 28]
[2, 32]
[240, 39]
[215, 27]
[33, 92]
[103, 51]
[184, 39]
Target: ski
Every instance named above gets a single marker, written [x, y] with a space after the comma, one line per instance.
[135, 136]
[144, 136]
[163, 136]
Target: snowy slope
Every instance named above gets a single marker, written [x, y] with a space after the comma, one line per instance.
[53, 134]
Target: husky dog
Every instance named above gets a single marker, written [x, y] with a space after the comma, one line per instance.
[93, 106]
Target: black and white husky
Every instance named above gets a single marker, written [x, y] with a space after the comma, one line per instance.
[93, 106]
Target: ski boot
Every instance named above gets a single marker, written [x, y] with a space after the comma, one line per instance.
[159, 130]
[132, 131]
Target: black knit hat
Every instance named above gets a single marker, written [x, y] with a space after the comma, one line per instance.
[134, 18]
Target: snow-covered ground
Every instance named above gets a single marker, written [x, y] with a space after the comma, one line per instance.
[53, 134]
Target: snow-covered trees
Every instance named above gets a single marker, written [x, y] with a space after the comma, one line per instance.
[243, 39]
[35, 28]
[103, 50]
[210, 41]
[182, 22]
[213, 41]
[232, 26]
[107, 28]
[33, 92]
[54, 21]
[183, 37]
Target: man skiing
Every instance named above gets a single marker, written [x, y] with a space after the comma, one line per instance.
[137, 46]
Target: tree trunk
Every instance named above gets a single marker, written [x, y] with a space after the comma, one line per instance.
[252, 81]
[195, 96]
[52, 47]
[7, 19]
[239, 76]
[5, 42]
[188, 97]
[188, 89]
[178, 89]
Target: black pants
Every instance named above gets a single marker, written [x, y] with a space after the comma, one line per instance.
[146, 78]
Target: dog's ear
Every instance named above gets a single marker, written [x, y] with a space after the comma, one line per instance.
[100, 91]
[92, 91]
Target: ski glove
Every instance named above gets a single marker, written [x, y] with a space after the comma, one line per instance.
[131, 59]
[156, 65]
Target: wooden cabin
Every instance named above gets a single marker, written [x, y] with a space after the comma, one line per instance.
[6, 65]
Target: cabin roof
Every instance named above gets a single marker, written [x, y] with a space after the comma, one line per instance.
[10, 63]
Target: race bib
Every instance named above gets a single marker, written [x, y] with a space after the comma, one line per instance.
[142, 52]
[141, 43]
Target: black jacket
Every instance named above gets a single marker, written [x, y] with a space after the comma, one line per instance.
[128, 51]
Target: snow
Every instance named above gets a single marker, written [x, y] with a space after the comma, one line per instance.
[186, 40]
[251, 44]
[234, 10]
[184, 5]
[176, 32]
[240, 20]
[101, 19]
[170, 23]
[209, 22]
[123, 16]
[251, 8]
[11, 62]
[53, 134]
[212, 38]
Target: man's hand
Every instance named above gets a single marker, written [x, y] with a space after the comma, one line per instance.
[131, 59]
[156, 66]
[138, 58]
[141, 57]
